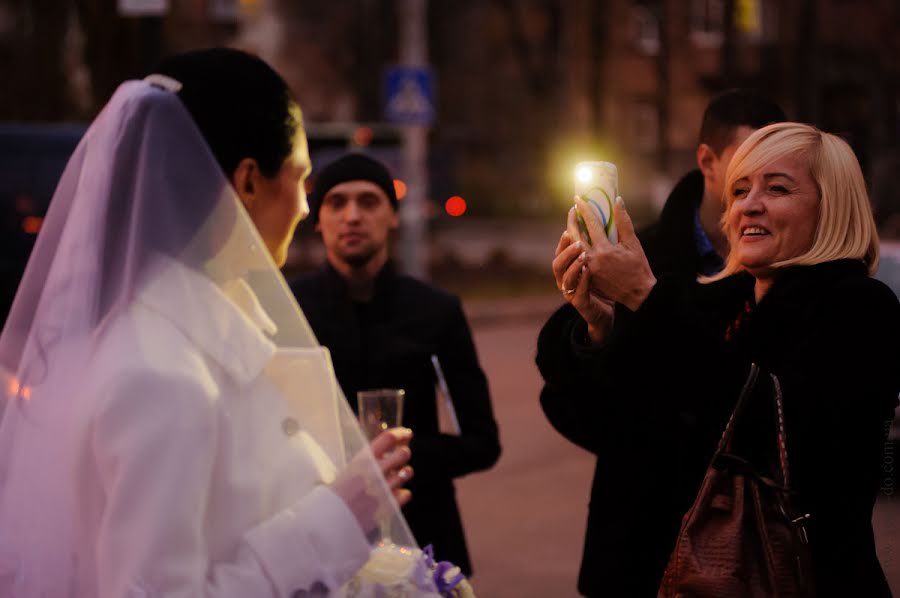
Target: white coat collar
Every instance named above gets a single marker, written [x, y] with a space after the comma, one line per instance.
[226, 322]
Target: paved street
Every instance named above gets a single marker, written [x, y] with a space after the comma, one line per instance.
[525, 518]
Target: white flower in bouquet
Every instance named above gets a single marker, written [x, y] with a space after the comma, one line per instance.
[394, 571]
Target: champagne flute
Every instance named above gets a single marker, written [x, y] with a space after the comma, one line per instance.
[379, 410]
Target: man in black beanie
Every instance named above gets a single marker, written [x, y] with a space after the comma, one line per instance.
[383, 328]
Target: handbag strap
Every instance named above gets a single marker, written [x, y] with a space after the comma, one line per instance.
[781, 434]
[725, 440]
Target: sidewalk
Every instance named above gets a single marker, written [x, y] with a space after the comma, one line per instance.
[508, 311]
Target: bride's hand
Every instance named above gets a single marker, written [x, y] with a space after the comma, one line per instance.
[363, 494]
[391, 450]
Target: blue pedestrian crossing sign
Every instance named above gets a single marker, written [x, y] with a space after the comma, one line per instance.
[409, 95]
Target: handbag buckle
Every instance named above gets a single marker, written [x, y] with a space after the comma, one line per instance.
[801, 529]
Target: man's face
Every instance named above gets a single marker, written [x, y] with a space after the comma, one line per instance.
[355, 219]
[715, 184]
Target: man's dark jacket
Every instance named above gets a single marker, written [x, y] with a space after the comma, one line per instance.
[670, 244]
[388, 343]
[625, 550]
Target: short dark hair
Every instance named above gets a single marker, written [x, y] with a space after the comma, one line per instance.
[734, 108]
[241, 105]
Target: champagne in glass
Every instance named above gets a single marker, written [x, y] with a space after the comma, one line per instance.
[380, 410]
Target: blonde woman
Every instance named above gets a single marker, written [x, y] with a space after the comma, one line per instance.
[796, 297]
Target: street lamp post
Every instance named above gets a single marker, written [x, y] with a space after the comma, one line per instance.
[414, 53]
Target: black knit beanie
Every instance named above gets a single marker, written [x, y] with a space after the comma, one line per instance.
[350, 167]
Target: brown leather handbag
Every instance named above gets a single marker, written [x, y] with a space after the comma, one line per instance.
[740, 538]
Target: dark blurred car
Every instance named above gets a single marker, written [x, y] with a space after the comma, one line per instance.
[889, 267]
[889, 273]
[32, 159]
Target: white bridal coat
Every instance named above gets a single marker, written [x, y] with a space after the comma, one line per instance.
[193, 474]
[170, 426]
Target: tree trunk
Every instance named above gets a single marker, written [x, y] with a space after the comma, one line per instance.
[36, 90]
[807, 90]
[117, 48]
[663, 90]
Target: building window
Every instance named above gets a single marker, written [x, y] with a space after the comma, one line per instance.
[645, 30]
[769, 21]
[224, 11]
[644, 126]
[757, 20]
[707, 19]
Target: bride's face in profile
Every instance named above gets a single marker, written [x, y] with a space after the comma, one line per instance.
[277, 204]
[281, 204]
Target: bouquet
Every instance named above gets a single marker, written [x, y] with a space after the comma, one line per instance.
[400, 572]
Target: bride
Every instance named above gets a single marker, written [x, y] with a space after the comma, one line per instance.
[171, 426]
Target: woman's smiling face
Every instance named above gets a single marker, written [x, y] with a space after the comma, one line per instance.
[773, 214]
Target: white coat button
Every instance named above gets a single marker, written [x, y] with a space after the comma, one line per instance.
[290, 426]
[318, 590]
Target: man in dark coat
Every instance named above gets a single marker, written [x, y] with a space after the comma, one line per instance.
[647, 471]
[383, 328]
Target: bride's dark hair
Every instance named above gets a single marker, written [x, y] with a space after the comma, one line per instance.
[243, 108]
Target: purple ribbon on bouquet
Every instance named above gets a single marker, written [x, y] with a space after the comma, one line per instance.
[445, 587]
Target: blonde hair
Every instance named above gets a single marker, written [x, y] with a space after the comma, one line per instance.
[845, 228]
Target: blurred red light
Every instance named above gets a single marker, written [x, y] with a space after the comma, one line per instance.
[399, 188]
[455, 206]
[363, 136]
[32, 224]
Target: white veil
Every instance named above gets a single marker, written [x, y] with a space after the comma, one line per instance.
[141, 192]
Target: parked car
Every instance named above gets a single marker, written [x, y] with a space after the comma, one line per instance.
[889, 268]
[889, 273]
[32, 159]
